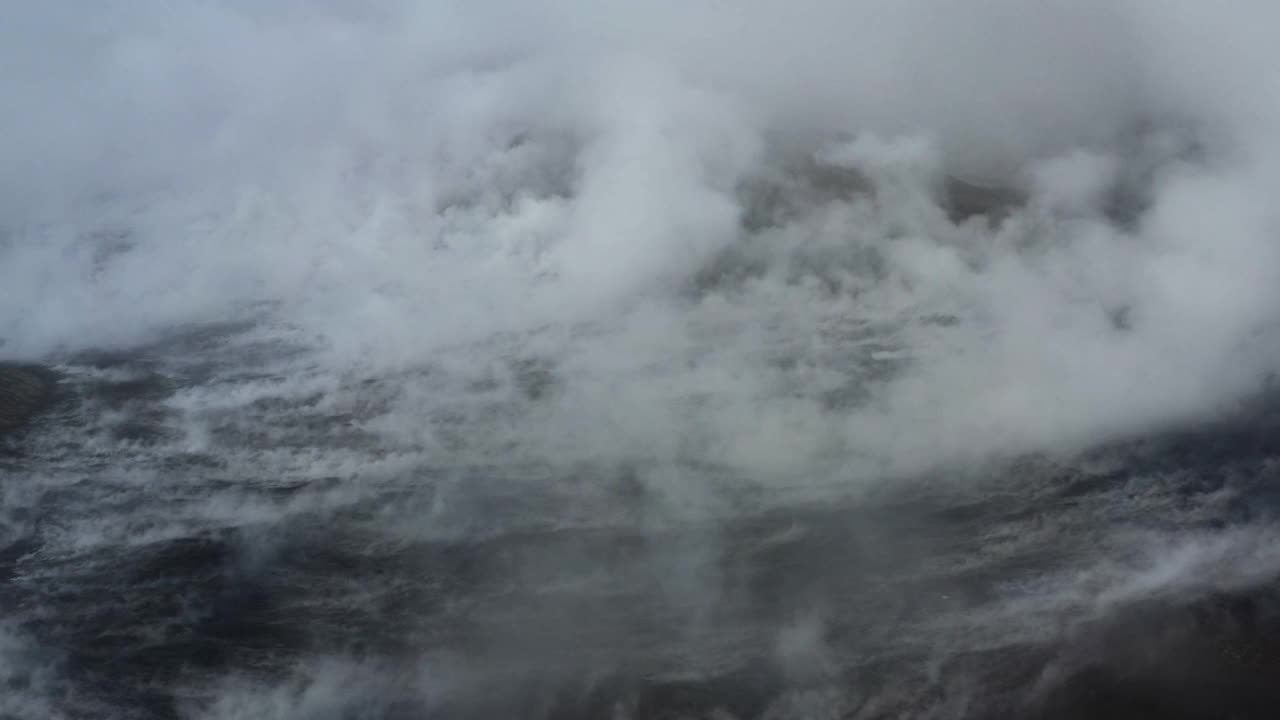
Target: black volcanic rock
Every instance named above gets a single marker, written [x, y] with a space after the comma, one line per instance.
[966, 199]
[1215, 657]
[24, 391]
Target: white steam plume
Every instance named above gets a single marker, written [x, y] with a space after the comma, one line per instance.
[397, 183]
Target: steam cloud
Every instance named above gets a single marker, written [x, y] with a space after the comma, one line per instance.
[397, 178]
[655, 236]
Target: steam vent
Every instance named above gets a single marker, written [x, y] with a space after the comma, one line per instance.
[24, 390]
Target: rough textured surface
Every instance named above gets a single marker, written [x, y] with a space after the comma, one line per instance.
[155, 565]
[831, 610]
[24, 390]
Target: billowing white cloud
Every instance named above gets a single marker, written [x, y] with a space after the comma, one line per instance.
[404, 182]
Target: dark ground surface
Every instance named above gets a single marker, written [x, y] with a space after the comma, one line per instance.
[133, 632]
[24, 389]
